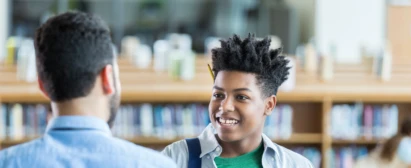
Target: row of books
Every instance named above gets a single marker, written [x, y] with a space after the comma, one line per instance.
[363, 121]
[167, 121]
[311, 153]
[161, 121]
[177, 120]
[278, 125]
[346, 157]
[19, 121]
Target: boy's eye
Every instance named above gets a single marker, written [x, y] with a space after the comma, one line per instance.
[241, 97]
[218, 95]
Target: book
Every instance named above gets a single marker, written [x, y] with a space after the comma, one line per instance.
[162, 121]
[311, 153]
[3, 125]
[22, 120]
[363, 121]
[278, 125]
[345, 157]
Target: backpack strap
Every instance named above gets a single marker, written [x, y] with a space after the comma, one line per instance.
[194, 151]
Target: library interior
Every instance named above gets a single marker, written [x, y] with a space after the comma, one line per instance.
[347, 95]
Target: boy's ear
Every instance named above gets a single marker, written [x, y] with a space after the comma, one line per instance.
[41, 87]
[270, 104]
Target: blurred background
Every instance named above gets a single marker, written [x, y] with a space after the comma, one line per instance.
[348, 92]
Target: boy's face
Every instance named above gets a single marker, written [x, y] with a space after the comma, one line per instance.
[237, 108]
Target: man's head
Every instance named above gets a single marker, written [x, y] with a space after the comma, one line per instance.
[247, 77]
[75, 60]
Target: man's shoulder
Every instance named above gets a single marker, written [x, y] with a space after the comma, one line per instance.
[127, 151]
[24, 148]
[14, 154]
[141, 153]
[293, 158]
[152, 157]
[134, 148]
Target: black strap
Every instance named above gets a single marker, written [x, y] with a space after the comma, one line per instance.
[194, 151]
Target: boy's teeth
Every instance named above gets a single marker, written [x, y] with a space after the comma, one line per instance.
[223, 121]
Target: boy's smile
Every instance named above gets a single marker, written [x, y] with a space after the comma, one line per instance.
[226, 123]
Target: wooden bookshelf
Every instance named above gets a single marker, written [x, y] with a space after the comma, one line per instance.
[152, 141]
[360, 141]
[301, 138]
[11, 142]
[312, 99]
[294, 139]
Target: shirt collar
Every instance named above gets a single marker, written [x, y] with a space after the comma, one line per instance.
[209, 143]
[269, 145]
[78, 122]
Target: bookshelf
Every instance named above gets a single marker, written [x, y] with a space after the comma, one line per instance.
[295, 139]
[311, 100]
[360, 141]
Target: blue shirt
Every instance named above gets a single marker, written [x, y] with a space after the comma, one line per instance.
[80, 142]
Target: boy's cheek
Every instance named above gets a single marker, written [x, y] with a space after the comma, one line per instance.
[213, 107]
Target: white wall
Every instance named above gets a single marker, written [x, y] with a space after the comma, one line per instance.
[349, 25]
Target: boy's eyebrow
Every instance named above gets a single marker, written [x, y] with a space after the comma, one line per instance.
[235, 90]
[218, 88]
[242, 89]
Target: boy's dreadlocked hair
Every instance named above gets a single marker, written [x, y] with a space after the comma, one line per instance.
[252, 56]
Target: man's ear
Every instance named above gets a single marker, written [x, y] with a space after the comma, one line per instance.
[270, 103]
[41, 87]
[107, 80]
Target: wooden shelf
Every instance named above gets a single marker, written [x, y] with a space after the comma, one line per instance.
[301, 138]
[297, 138]
[164, 89]
[361, 141]
[10, 142]
[152, 141]
[149, 86]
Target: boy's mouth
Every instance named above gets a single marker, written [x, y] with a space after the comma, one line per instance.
[227, 121]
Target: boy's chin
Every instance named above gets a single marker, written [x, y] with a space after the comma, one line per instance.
[228, 137]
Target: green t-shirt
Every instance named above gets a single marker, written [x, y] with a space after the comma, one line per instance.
[248, 160]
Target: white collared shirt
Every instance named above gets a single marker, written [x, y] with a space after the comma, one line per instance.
[274, 155]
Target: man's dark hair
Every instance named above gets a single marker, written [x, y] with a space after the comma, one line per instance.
[71, 50]
[252, 56]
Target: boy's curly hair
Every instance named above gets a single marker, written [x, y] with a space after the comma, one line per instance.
[252, 56]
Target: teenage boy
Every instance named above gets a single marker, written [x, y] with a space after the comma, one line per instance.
[246, 79]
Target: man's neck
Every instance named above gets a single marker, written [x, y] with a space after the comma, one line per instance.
[237, 148]
[81, 107]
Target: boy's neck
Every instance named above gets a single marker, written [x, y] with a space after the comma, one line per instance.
[237, 148]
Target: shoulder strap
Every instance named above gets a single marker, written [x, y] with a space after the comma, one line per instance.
[194, 151]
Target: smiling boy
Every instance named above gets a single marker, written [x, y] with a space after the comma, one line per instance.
[247, 77]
